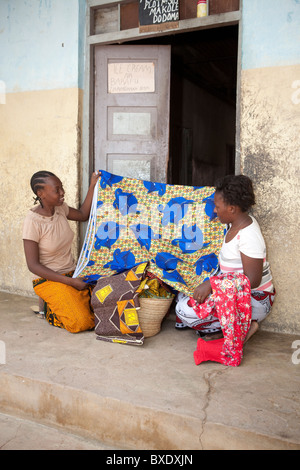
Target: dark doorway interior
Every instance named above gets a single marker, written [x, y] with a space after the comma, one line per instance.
[203, 104]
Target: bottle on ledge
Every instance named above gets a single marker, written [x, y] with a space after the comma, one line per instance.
[202, 8]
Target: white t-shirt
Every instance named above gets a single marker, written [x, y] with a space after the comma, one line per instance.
[250, 242]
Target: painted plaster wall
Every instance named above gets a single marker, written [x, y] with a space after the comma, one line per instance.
[270, 141]
[41, 65]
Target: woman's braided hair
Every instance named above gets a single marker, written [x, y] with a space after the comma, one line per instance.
[237, 190]
[38, 181]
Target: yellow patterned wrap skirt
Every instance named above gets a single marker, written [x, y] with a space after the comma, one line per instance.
[65, 306]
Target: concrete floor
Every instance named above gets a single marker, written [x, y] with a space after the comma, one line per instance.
[73, 391]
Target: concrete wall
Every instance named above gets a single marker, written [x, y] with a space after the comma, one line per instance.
[270, 141]
[41, 94]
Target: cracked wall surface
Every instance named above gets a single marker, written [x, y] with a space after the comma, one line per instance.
[270, 147]
[270, 143]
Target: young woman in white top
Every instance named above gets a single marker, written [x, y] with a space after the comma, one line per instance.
[243, 251]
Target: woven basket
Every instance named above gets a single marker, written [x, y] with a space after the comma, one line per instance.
[152, 313]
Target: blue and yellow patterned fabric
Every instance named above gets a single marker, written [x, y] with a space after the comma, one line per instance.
[173, 227]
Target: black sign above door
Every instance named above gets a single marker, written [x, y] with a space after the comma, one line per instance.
[158, 14]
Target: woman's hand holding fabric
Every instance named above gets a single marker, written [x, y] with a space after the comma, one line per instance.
[202, 292]
[79, 284]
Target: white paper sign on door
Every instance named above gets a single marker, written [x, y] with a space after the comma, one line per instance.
[131, 77]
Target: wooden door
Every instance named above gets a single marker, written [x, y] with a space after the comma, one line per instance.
[132, 95]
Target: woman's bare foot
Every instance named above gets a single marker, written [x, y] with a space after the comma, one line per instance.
[38, 313]
[253, 329]
[219, 334]
[211, 336]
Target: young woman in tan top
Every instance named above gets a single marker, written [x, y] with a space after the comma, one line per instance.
[47, 239]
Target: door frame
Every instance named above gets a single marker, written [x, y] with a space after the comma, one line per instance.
[118, 37]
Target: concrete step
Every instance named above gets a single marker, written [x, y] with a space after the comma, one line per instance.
[151, 396]
[21, 434]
